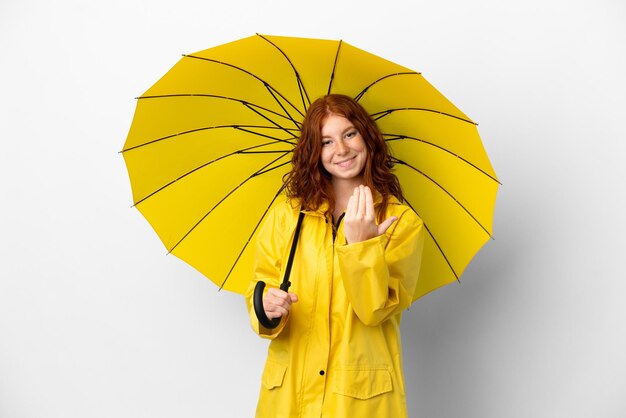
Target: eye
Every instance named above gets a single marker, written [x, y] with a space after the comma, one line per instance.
[326, 142]
[351, 133]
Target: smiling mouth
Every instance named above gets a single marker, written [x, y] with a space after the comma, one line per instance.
[345, 162]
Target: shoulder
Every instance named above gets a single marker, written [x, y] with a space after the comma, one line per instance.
[284, 211]
[396, 208]
[407, 221]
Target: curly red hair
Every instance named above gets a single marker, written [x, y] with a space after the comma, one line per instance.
[311, 184]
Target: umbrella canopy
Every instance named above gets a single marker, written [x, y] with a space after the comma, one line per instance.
[211, 140]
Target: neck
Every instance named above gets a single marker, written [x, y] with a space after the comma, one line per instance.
[343, 189]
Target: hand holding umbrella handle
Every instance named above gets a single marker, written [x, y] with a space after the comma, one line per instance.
[258, 305]
[260, 286]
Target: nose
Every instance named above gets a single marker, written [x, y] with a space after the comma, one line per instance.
[341, 148]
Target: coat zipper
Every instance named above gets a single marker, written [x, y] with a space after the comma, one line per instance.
[336, 226]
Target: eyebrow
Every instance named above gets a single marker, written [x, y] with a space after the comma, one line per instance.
[344, 131]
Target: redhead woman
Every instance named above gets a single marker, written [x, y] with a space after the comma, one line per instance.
[337, 350]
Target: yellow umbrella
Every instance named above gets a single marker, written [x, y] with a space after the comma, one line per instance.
[211, 140]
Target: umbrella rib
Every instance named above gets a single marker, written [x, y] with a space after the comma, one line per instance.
[264, 152]
[332, 74]
[272, 168]
[301, 87]
[379, 115]
[251, 235]
[222, 200]
[207, 128]
[217, 96]
[447, 192]
[271, 121]
[358, 96]
[283, 107]
[265, 83]
[400, 137]
[267, 136]
[242, 151]
[443, 254]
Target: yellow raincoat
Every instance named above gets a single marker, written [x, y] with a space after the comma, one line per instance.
[338, 353]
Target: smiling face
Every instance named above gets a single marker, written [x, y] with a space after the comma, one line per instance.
[343, 150]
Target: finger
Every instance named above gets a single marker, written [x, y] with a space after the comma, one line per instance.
[282, 302]
[272, 314]
[276, 293]
[274, 297]
[276, 313]
[270, 310]
[369, 203]
[361, 209]
[350, 209]
[280, 305]
[384, 226]
[276, 307]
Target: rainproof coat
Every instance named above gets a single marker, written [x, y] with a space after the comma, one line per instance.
[338, 352]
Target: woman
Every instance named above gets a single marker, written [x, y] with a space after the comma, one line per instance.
[337, 350]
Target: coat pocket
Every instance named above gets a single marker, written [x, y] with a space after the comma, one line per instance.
[273, 374]
[363, 382]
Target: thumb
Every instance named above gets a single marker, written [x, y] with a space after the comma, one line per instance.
[384, 226]
[293, 297]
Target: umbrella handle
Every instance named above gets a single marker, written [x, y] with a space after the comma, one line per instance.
[258, 307]
[284, 286]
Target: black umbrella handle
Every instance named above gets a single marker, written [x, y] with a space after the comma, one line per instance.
[260, 285]
[258, 306]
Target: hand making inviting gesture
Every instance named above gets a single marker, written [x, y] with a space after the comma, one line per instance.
[359, 222]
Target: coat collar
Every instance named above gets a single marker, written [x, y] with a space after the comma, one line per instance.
[323, 208]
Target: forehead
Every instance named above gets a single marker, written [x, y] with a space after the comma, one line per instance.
[335, 124]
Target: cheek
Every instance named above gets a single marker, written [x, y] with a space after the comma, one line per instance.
[325, 154]
[363, 149]
[360, 145]
[325, 162]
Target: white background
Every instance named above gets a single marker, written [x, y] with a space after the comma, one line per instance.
[95, 319]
